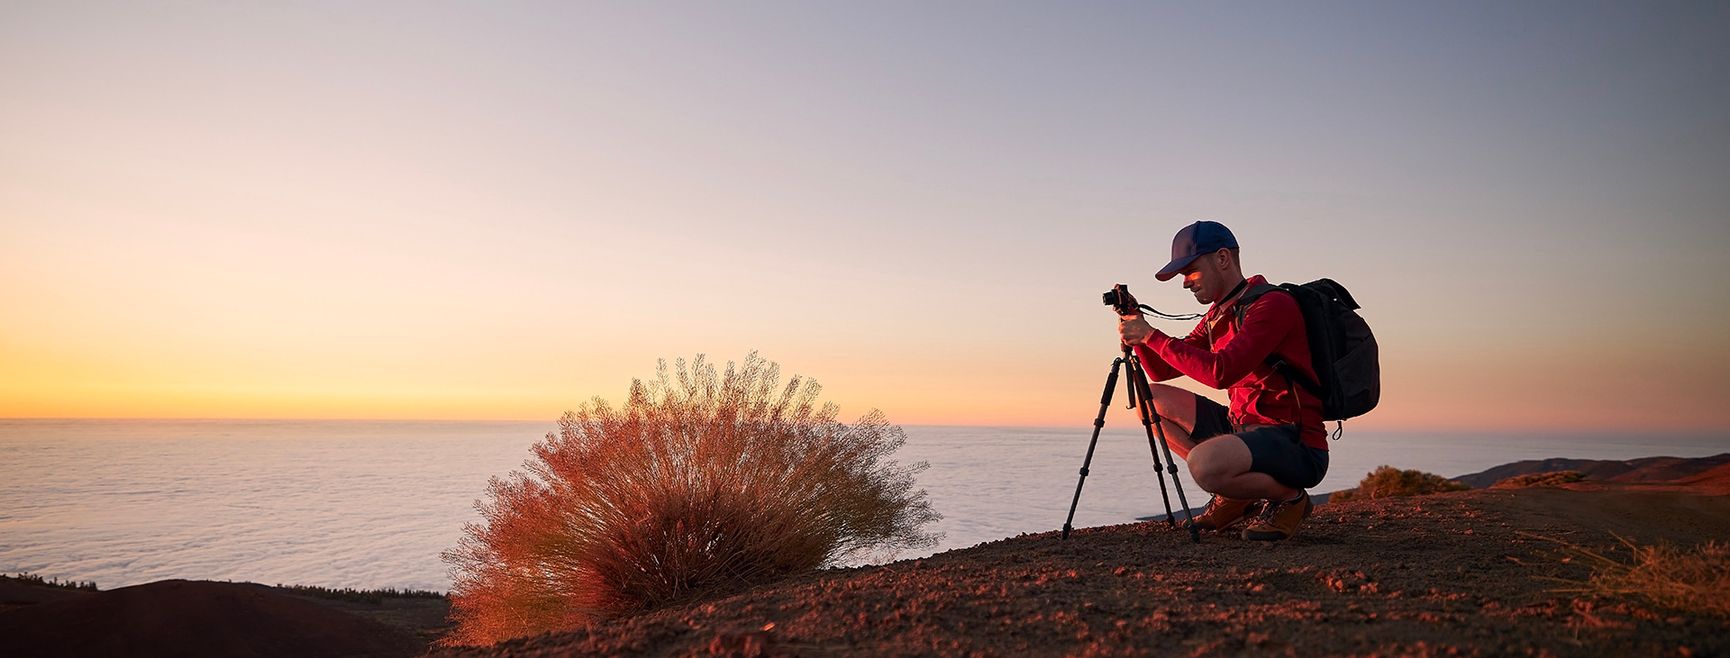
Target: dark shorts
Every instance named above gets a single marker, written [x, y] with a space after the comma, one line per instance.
[1273, 449]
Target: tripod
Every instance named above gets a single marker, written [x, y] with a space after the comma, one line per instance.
[1137, 386]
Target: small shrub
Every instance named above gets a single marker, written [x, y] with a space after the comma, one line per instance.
[33, 579]
[1688, 580]
[1390, 482]
[700, 484]
[1548, 479]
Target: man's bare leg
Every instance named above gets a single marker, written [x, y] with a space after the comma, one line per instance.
[1176, 409]
[1221, 465]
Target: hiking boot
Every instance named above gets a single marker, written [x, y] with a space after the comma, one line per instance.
[1222, 513]
[1280, 520]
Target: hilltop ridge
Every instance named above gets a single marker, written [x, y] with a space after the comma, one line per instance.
[1645, 469]
[1466, 573]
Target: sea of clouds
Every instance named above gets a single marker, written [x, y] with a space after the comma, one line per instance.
[371, 504]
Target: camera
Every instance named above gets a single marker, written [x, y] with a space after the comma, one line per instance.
[1118, 297]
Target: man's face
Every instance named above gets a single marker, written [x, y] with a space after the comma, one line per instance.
[1205, 278]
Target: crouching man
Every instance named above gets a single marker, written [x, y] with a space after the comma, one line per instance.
[1258, 456]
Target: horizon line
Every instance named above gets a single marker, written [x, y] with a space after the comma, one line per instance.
[1703, 430]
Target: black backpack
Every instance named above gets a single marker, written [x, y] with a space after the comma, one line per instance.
[1342, 348]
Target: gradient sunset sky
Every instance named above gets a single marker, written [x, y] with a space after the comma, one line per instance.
[498, 210]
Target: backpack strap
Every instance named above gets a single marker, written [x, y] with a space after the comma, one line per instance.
[1274, 360]
[1249, 297]
[1292, 374]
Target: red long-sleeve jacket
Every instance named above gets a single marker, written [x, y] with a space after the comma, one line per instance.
[1221, 355]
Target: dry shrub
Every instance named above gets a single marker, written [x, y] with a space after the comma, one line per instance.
[1390, 482]
[1688, 580]
[701, 483]
[1546, 479]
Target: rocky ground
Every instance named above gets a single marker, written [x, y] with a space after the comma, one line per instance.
[1469, 573]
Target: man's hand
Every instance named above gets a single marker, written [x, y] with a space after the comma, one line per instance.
[1134, 329]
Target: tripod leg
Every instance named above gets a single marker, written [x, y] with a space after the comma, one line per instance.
[1098, 424]
[1158, 469]
[1138, 377]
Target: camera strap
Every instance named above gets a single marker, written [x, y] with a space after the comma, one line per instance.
[1168, 316]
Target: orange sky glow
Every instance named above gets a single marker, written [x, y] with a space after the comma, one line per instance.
[483, 216]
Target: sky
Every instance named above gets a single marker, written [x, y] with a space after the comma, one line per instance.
[438, 210]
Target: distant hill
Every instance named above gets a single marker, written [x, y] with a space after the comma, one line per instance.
[193, 618]
[1648, 469]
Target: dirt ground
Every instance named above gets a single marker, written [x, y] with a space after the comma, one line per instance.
[1469, 573]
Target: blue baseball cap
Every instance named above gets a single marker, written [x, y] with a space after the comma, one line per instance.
[1203, 237]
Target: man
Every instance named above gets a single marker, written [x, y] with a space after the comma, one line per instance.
[1257, 457]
